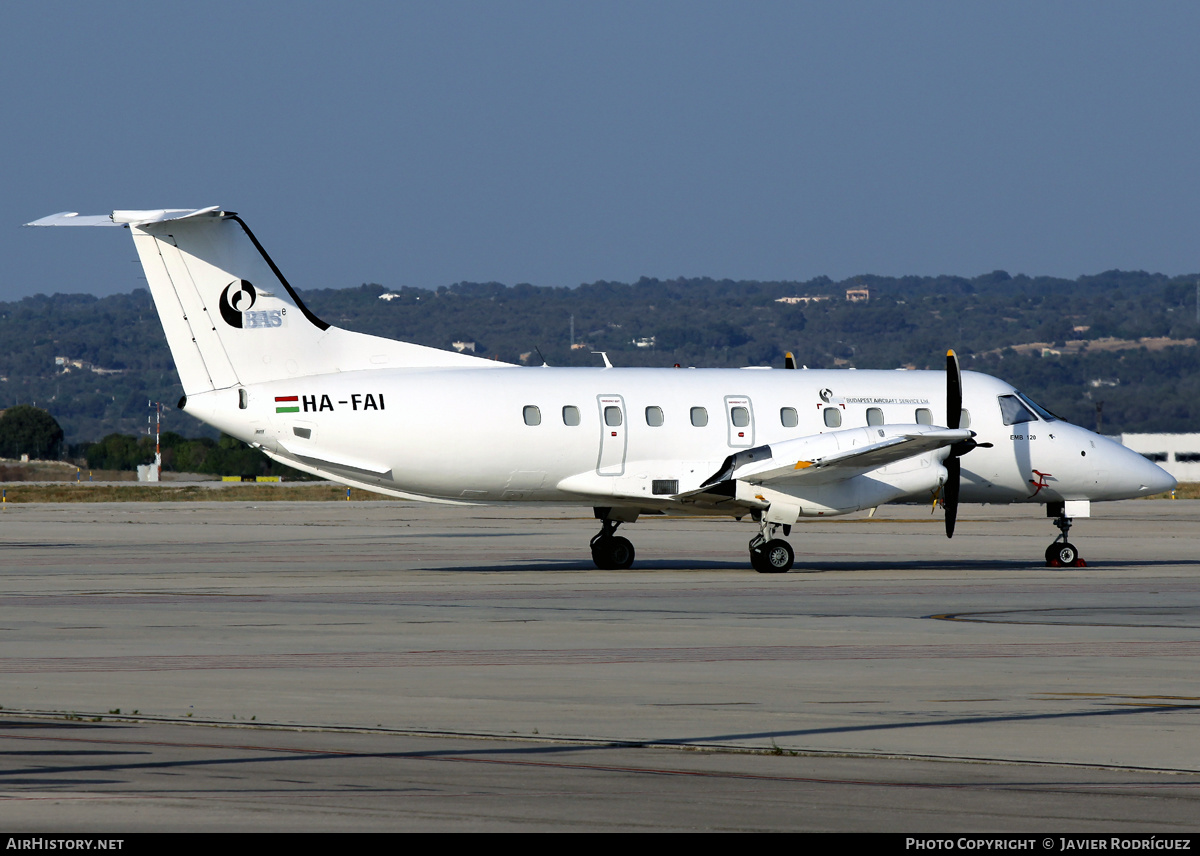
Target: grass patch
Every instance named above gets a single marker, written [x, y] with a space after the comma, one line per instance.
[218, 492]
[1185, 490]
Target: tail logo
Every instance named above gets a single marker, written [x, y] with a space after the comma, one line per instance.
[237, 298]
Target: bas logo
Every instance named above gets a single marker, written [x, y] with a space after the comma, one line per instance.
[237, 297]
[237, 307]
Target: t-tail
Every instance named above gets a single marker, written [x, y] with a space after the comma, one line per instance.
[231, 318]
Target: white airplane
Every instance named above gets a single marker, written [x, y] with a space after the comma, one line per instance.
[420, 423]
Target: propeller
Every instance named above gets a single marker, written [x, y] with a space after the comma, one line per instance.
[954, 420]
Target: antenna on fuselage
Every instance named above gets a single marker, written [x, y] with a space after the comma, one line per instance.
[604, 356]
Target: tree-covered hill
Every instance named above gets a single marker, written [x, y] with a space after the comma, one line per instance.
[1097, 321]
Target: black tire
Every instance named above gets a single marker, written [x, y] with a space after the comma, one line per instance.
[613, 553]
[1064, 554]
[620, 552]
[773, 557]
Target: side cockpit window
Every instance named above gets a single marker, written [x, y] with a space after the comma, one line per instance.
[1013, 411]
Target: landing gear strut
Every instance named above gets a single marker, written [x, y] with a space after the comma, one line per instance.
[768, 554]
[1062, 553]
[611, 552]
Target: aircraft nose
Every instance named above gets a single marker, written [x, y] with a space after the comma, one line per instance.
[1160, 480]
[1145, 476]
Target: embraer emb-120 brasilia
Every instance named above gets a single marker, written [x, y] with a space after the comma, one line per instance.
[420, 423]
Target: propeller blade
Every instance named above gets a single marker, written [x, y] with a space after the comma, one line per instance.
[953, 420]
[953, 391]
[950, 494]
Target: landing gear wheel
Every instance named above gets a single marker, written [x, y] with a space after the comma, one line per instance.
[773, 557]
[1060, 554]
[612, 553]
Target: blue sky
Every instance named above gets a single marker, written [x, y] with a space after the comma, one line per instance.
[557, 143]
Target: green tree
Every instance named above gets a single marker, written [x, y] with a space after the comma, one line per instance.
[27, 430]
[119, 452]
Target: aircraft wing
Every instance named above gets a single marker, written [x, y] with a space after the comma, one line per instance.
[824, 458]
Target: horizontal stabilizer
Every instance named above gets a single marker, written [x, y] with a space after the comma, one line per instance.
[70, 218]
[124, 218]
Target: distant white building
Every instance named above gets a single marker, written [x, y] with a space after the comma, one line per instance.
[804, 300]
[463, 346]
[66, 364]
[1178, 454]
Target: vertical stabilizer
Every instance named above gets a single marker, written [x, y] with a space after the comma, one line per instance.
[230, 316]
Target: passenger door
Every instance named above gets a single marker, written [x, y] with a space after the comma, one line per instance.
[739, 417]
[611, 461]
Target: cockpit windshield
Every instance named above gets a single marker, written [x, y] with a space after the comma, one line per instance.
[1018, 408]
[1037, 408]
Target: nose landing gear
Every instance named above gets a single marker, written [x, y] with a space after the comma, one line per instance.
[1062, 553]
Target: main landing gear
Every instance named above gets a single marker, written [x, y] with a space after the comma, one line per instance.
[611, 552]
[768, 554]
[1062, 553]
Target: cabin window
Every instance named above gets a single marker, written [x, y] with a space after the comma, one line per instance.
[740, 416]
[874, 416]
[612, 416]
[1013, 411]
[788, 417]
[833, 417]
[243, 399]
[570, 415]
[532, 415]
[964, 418]
[699, 417]
[654, 416]
[924, 416]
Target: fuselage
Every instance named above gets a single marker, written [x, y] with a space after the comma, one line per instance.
[583, 436]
